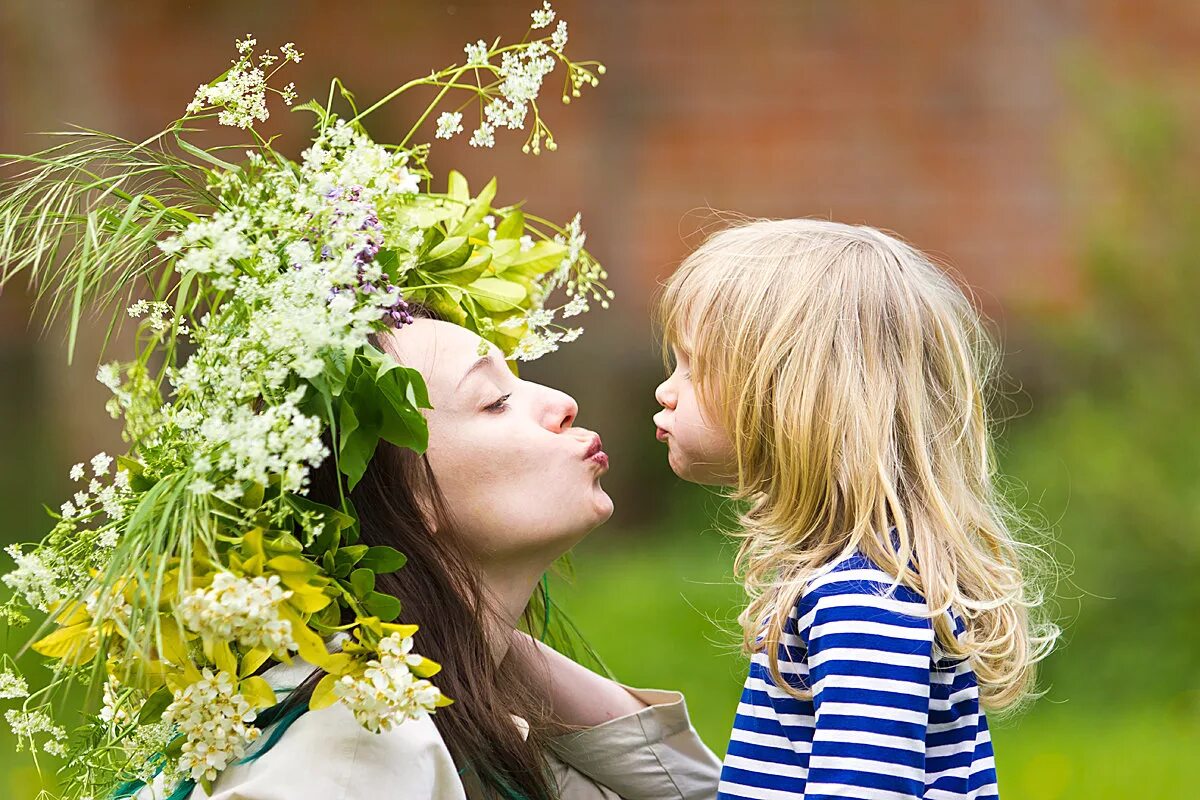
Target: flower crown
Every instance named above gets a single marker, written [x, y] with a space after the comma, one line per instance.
[174, 574]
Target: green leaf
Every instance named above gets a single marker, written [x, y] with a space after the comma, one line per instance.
[323, 696]
[383, 560]
[512, 226]
[384, 606]
[537, 260]
[346, 558]
[155, 704]
[457, 186]
[347, 424]
[403, 391]
[498, 294]
[449, 254]
[478, 209]
[203, 155]
[363, 581]
[472, 269]
[257, 691]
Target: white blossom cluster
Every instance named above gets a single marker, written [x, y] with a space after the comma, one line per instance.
[216, 722]
[117, 706]
[113, 499]
[388, 692]
[312, 289]
[521, 74]
[448, 124]
[37, 578]
[12, 686]
[242, 93]
[540, 338]
[27, 724]
[245, 610]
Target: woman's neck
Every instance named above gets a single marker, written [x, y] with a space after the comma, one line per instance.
[509, 587]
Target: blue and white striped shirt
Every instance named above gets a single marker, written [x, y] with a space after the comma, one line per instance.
[890, 718]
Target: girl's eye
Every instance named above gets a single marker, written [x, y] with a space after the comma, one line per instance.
[499, 405]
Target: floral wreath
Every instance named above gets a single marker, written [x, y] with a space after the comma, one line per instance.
[173, 575]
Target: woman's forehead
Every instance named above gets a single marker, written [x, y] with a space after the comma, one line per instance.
[441, 351]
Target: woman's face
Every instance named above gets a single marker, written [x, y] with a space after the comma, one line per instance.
[521, 482]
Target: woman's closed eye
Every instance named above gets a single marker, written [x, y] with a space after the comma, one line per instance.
[499, 405]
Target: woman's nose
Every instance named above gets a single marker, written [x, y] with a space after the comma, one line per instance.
[561, 411]
[664, 395]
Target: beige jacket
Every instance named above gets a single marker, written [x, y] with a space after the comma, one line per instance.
[654, 754]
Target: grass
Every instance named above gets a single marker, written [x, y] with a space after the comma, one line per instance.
[661, 610]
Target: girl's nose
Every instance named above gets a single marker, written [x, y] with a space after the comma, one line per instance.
[664, 395]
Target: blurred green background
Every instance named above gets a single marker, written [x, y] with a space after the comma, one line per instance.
[1046, 150]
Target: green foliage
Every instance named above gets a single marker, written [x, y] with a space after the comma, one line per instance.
[1111, 453]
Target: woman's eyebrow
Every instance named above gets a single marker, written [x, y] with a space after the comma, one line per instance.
[482, 363]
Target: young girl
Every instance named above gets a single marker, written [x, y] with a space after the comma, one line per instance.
[834, 377]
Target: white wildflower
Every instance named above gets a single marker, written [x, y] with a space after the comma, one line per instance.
[388, 693]
[77, 472]
[542, 16]
[35, 579]
[100, 463]
[27, 724]
[215, 720]
[477, 54]
[245, 610]
[201, 486]
[526, 243]
[67, 510]
[109, 375]
[576, 306]
[291, 53]
[484, 136]
[12, 686]
[536, 344]
[558, 39]
[118, 706]
[448, 124]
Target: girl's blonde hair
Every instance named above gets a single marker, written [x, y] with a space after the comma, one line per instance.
[849, 372]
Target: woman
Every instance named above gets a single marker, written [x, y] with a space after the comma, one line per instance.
[508, 484]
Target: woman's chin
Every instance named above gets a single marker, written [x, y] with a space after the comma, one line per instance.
[603, 505]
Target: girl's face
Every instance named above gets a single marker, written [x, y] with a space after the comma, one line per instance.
[520, 481]
[698, 449]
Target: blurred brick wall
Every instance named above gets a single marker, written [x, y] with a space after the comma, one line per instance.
[944, 121]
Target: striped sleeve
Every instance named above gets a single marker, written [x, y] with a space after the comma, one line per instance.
[869, 661]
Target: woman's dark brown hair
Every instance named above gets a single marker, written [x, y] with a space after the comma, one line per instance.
[442, 592]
